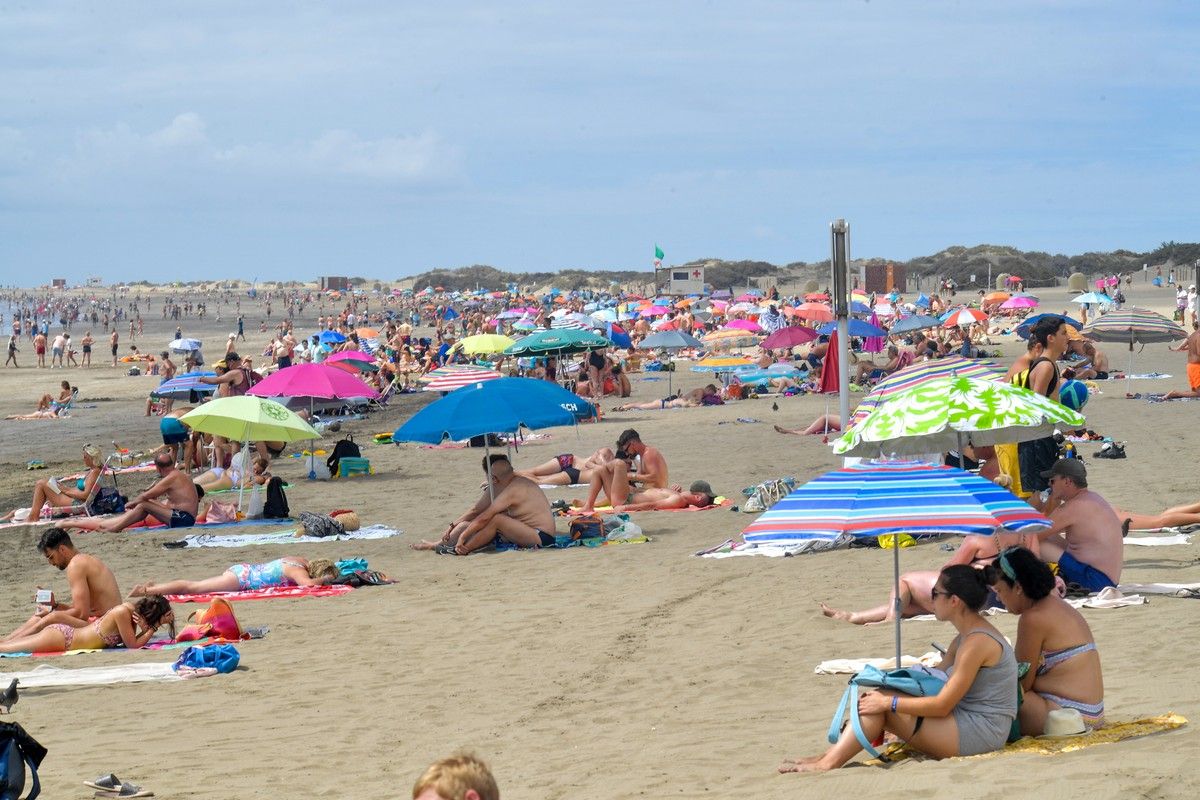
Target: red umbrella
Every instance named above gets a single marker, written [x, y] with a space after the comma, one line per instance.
[788, 338]
[816, 297]
[829, 369]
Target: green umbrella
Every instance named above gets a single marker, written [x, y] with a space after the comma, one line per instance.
[948, 413]
[557, 341]
[245, 419]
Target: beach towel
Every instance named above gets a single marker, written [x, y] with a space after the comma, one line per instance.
[273, 593]
[1158, 541]
[732, 549]
[1168, 589]
[852, 666]
[1110, 733]
[145, 525]
[1178, 529]
[164, 643]
[45, 676]
[568, 486]
[285, 537]
[721, 502]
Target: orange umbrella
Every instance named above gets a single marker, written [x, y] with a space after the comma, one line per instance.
[997, 297]
[816, 312]
[367, 333]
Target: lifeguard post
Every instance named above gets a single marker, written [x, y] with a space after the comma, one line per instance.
[679, 280]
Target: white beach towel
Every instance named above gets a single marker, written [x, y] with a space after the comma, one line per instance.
[287, 536]
[1169, 589]
[1109, 597]
[568, 486]
[1158, 541]
[45, 675]
[852, 666]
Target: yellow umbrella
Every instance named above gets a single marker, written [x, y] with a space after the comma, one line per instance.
[720, 362]
[484, 344]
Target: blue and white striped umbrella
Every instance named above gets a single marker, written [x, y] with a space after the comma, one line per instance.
[182, 386]
[874, 498]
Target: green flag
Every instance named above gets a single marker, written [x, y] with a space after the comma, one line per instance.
[658, 253]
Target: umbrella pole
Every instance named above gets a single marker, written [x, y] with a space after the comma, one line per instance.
[242, 481]
[312, 446]
[1129, 371]
[896, 585]
[487, 456]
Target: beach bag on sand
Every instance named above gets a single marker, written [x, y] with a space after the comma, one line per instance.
[18, 750]
[217, 621]
[221, 657]
[108, 501]
[345, 448]
[911, 681]
[219, 511]
[276, 505]
[587, 526]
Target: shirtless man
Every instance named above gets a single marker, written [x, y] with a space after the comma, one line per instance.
[93, 587]
[520, 513]
[615, 478]
[567, 469]
[1086, 537]
[1192, 346]
[113, 341]
[699, 494]
[177, 510]
[692, 399]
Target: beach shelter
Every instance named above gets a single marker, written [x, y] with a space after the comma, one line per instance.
[872, 498]
[248, 418]
[1135, 326]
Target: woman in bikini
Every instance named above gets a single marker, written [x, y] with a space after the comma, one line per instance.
[61, 494]
[1052, 635]
[280, 573]
[131, 624]
[567, 470]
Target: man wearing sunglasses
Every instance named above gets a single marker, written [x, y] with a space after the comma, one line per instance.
[1086, 538]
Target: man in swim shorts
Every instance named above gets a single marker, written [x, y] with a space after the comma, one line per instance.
[699, 495]
[1192, 346]
[174, 432]
[177, 509]
[1086, 539]
[520, 514]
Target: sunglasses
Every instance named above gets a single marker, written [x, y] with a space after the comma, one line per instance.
[935, 593]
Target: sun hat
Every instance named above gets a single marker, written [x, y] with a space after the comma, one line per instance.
[1064, 722]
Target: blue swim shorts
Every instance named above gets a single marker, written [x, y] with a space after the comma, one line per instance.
[1073, 570]
[172, 430]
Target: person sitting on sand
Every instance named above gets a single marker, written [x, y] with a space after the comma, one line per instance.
[1052, 636]
[63, 493]
[519, 513]
[280, 573]
[177, 510]
[705, 395]
[616, 477]
[49, 402]
[824, 423]
[1086, 539]
[974, 710]
[699, 494]
[1192, 345]
[567, 469]
[93, 586]
[131, 624]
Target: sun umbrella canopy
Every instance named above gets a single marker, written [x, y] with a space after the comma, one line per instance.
[874, 498]
[916, 322]
[729, 337]
[787, 338]
[312, 380]
[814, 312]
[483, 344]
[249, 418]
[185, 345]
[503, 405]
[721, 363]
[654, 311]
[916, 374]
[457, 378]
[965, 316]
[1098, 298]
[743, 325]
[367, 333]
[669, 340]
[1025, 327]
[858, 327]
[1133, 325]
[1019, 302]
[181, 387]
[331, 337]
[556, 341]
[948, 413]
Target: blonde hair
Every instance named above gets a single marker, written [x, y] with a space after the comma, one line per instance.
[453, 777]
[320, 567]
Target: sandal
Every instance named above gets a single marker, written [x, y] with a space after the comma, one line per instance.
[105, 783]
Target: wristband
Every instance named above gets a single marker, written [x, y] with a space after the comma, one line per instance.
[895, 700]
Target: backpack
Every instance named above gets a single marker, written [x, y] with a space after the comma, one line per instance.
[345, 448]
[18, 750]
[276, 506]
[587, 526]
[916, 682]
[108, 501]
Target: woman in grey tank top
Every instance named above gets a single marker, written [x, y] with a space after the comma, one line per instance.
[973, 712]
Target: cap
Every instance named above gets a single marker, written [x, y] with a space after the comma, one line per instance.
[702, 487]
[1071, 468]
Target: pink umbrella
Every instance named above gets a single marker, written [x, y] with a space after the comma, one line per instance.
[814, 312]
[748, 298]
[314, 381]
[1019, 302]
[743, 325]
[350, 355]
[654, 311]
[787, 338]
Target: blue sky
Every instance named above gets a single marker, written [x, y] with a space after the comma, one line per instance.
[269, 140]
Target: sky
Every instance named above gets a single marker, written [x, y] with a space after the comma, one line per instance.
[271, 140]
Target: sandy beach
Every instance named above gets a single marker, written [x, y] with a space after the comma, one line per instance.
[619, 672]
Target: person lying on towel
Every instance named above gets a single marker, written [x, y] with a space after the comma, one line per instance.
[568, 469]
[130, 625]
[278, 574]
[699, 494]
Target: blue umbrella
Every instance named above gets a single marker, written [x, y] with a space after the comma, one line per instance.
[181, 387]
[922, 301]
[1025, 327]
[916, 322]
[618, 336]
[332, 337]
[859, 307]
[503, 405]
[857, 328]
[184, 345]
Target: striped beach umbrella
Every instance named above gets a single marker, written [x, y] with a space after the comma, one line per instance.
[915, 375]
[729, 337]
[447, 379]
[1135, 326]
[722, 363]
[965, 316]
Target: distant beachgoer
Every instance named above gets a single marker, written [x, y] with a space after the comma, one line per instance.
[825, 423]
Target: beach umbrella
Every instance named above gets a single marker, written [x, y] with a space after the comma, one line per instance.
[511, 313]
[483, 344]
[870, 499]
[814, 312]
[525, 325]
[729, 337]
[352, 361]
[857, 327]
[997, 297]
[747, 297]
[367, 333]
[181, 387]
[720, 294]
[964, 316]
[1135, 326]
[571, 323]
[722, 363]
[331, 337]
[859, 307]
[456, 378]
[951, 413]
[787, 338]
[1099, 298]
[670, 340]
[561, 342]
[184, 345]
[816, 297]
[742, 325]
[916, 322]
[617, 335]
[883, 310]
[916, 374]
[247, 418]
[313, 381]
[1019, 302]
[653, 311]
[1027, 325]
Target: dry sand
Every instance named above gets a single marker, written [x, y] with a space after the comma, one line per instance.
[630, 671]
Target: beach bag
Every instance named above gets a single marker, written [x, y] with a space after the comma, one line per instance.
[910, 681]
[221, 657]
[18, 751]
[484, 440]
[219, 511]
[108, 501]
[345, 448]
[276, 506]
[587, 526]
[217, 621]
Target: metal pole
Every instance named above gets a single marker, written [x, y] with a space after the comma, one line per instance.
[839, 247]
[896, 584]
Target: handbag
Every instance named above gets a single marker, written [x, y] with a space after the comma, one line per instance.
[18, 751]
[221, 657]
[914, 682]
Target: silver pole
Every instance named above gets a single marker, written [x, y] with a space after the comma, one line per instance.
[896, 584]
[839, 248]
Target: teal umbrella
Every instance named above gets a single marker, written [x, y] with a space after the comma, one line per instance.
[558, 341]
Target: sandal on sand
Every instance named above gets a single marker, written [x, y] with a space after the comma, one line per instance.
[125, 790]
[106, 783]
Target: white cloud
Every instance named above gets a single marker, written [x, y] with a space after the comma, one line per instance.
[185, 130]
[340, 153]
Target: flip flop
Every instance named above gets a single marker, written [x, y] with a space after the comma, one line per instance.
[105, 783]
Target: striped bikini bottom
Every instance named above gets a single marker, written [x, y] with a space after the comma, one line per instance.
[1092, 713]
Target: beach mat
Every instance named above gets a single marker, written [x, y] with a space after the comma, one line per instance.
[284, 537]
[1109, 734]
[274, 593]
[154, 644]
[142, 527]
[46, 676]
[567, 486]
[1158, 541]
